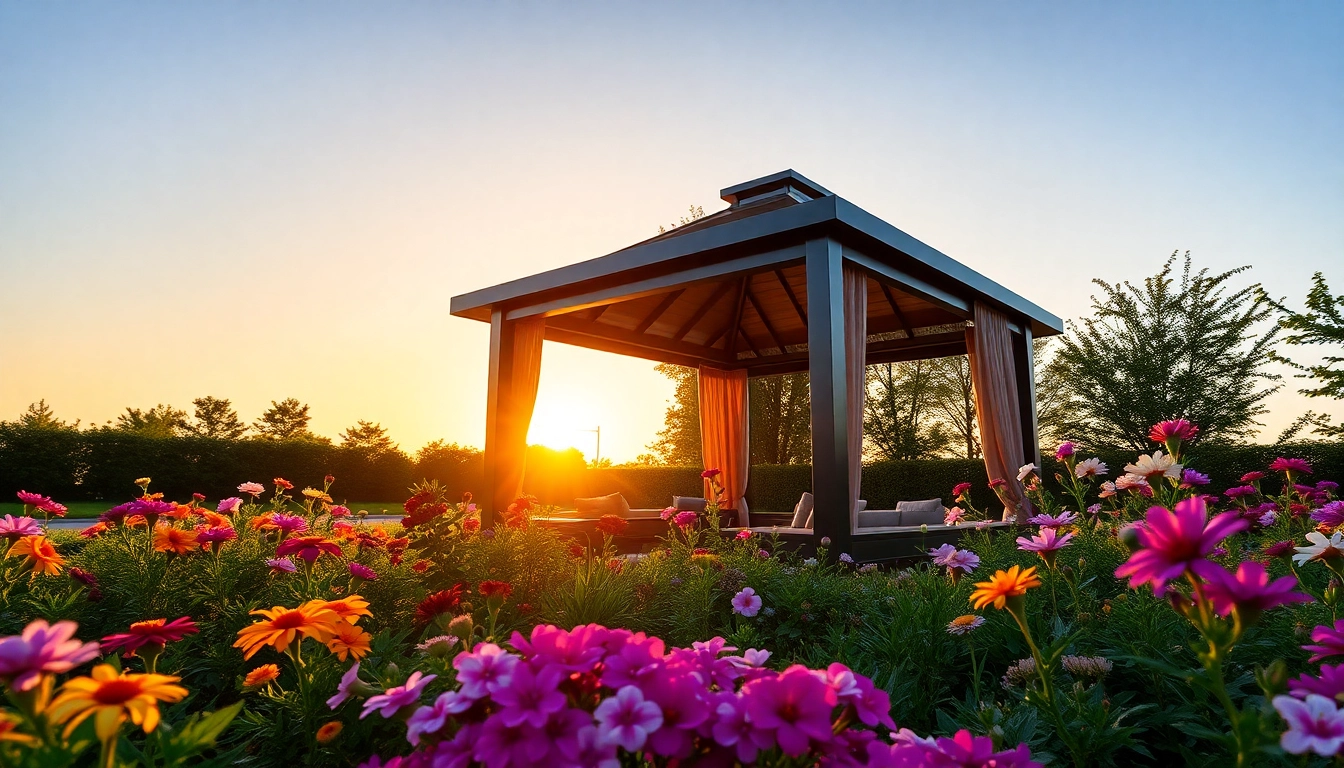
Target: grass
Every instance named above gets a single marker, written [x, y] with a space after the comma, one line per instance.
[83, 510]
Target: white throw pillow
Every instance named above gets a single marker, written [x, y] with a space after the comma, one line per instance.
[802, 511]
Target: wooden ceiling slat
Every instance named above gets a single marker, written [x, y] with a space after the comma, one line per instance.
[900, 316]
[737, 318]
[765, 321]
[793, 299]
[699, 313]
[658, 311]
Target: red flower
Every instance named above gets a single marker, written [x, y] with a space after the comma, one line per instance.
[710, 474]
[154, 633]
[414, 503]
[576, 550]
[329, 479]
[423, 515]
[523, 504]
[1178, 429]
[420, 566]
[492, 588]
[198, 496]
[471, 525]
[612, 525]
[281, 482]
[437, 604]
[398, 545]
[997, 482]
[308, 547]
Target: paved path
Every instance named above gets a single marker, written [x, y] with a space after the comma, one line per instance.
[81, 524]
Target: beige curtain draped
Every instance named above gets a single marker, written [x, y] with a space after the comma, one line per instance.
[724, 429]
[855, 289]
[989, 345]
[516, 417]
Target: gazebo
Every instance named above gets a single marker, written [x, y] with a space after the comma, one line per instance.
[788, 278]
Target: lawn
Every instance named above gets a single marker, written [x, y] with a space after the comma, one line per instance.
[91, 509]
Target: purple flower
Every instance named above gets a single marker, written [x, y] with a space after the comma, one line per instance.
[626, 719]
[1290, 466]
[684, 519]
[747, 602]
[281, 565]
[590, 751]
[392, 700]
[530, 697]
[229, 506]
[871, 704]
[681, 697]
[484, 670]
[1314, 725]
[361, 571]
[288, 524]
[1249, 591]
[1329, 684]
[350, 685]
[42, 649]
[501, 745]
[431, 719]
[1054, 521]
[1064, 451]
[1239, 491]
[732, 729]
[950, 557]
[1046, 544]
[1190, 478]
[1174, 542]
[15, 528]
[1326, 486]
[1329, 641]
[1331, 514]
[793, 707]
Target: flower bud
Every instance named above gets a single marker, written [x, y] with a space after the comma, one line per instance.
[825, 541]
[1129, 536]
[1067, 573]
[1273, 680]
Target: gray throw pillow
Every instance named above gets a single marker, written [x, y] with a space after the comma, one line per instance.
[689, 503]
[879, 518]
[802, 512]
[926, 512]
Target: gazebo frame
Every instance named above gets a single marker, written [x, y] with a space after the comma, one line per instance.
[779, 251]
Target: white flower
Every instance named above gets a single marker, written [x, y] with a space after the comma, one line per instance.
[1126, 482]
[811, 561]
[1314, 725]
[1025, 471]
[1151, 466]
[1321, 548]
[1093, 467]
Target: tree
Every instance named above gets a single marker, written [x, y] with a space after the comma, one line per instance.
[781, 419]
[285, 420]
[952, 402]
[898, 418]
[1322, 323]
[1168, 349]
[368, 436]
[159, 421]
[678, 442]
[1052, 394]
[216, 418]
[40, 416]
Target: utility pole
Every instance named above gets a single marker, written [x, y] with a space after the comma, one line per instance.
[598, 432]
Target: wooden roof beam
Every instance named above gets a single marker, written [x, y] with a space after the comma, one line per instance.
[765, 321]
[793, 298]
[900, 316]
[658, 311]
[736, 328]
[699, 314]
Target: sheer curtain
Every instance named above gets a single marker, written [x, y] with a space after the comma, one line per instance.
[990, 347]
[528, 335]
[724, 428]
[855, 288]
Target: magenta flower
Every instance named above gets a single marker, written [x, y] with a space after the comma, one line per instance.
[1327, 486]
[431, 719]
[871, 704]
[340, 510]
[484, 670]
[747, 602]
[502, 745]
[793, 706]
[959, 489]
[732, 729]
[1330, 683]
[681, 697]
[590, 750]
[42, 649]
[1329, 641]
[53, 508]
[392, 700]
[1291, 467]
[684, 519]
[1176, 542]
[229, 506]
[15, 528]
[288, 524]
[350, 685]
[1064, 451]
[282, 565]
[1253, 476]
[1279, 549]
[1249, 591]
[1331, 514]
[1174, 429]
[1046, 544]
[1054, 521]
[530, 697]
[32, 499]
[626, 719]
[1240, 491]
[743, 535]
[361, 571]
[252, 489]
[1314, 725]
[1191, 478]
[215, 537]
[965, 749]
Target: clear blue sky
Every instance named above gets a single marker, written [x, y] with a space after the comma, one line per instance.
[263, 200]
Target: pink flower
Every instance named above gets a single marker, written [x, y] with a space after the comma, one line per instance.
[361, 571]
[871, 704]
[229, 506]
[1064, 451]
[484, 670]
[350, 685]
[392, 700]
[953, 516]
[590, 750]
[15, 528]
[32, 499]
[959, 489]
[52, 508]
[1175, 429]
[309, 548]
[252, 489]
[1240, 491]
[215, 537]
[794, 707]
[288, 524]
[667, 513]
[1314, 725]
[530, 697]
[685, 519]
[681, 697]
[751, 658]
[1329, 642]
[1330, 683]
[950, 557]
[1249, 591]
[743, 535]
[282, 565]
[42, 649]
[431, 719]
[1251, 477]
[626, 719]
[501, 745]
[1290, 466]
[963, 749]
[1054, 521]
[1175, 542]
[340, 510]
[747, 603]
[1046, 544]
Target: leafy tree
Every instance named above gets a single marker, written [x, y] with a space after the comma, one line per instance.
[1171, 348]
[781, 419]
[678, 442]
[368, 436]
[1322, 323]
[1052, 394]
[952, 402]
[899, 418]
[215, 417]
[40, 416]
[159, 421]
[285, 420]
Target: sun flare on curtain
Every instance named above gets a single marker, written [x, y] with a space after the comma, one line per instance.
[724, 427]
[989, 345]
[528, 335]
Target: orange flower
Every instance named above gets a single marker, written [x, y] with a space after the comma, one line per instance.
[175, 540]
[112, 698]
[136, 521]
[329, 731]
[350, 607]
[1013, 582]
[263, 523]
[94, 531]
[349, 640]
[282, 626]
[261, 676]
[216, 520]
[181, 512]
[41, 554]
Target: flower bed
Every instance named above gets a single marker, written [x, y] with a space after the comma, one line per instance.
[1141, 621]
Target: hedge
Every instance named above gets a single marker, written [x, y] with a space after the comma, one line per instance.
[102, 464]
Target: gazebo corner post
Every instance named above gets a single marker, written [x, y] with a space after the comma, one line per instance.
[1024, 368]
[498, 444]
[826, 369]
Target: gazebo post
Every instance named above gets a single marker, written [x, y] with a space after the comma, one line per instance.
[826, 368]
[1024, 365]
[497, 416]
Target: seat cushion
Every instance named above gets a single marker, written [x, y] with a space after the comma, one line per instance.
[879, 518]
[597, 506]
[926, 512]
[860, 505]
[689, 503]
[802, 511]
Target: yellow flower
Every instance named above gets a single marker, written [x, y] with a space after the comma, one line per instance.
[349, 640]
[175, 540]
[313, 493]
[282, 626]
[111, 698]
[350, 607]
[1013, 582]
[329, 731]
[41, 554]
[9, 729]
[261, 676]
[142, 482]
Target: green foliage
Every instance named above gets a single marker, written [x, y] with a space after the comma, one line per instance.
[215, 417]
[897, 422]
[1321, 324]
[159, 421]
[285, 420]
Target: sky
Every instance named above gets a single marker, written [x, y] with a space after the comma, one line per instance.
[266, 200]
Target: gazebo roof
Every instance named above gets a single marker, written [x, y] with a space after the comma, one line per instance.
[730, 289]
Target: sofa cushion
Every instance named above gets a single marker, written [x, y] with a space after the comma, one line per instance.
[926, 512]
[597, 506]
[860, 505]
[878, 518]
[689, 503]
[802, 511]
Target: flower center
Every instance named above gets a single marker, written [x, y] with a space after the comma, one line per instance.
[289, 620]
[114, 692]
